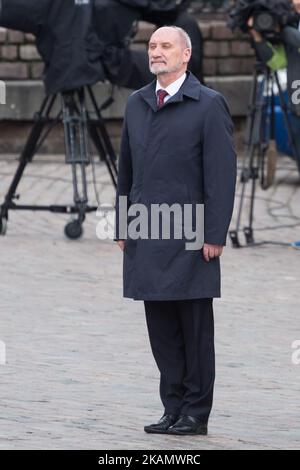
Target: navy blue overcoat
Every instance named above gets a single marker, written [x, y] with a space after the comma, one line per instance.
[181, 153]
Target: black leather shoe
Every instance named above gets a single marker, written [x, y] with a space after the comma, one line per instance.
[163, 424]
[188, 425]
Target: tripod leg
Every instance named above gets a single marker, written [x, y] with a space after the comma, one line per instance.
[264, 130]
[248, 230]
[75, 128]
[27, 154]
[257, 143]
[93, 131]
[252, 135]
[110, 155]
[251, 110]
[83, 149]
[269, 148]
[234, 233]
[261, 143]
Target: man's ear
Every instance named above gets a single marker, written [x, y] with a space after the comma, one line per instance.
[187, 54]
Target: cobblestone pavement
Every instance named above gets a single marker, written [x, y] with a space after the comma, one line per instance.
[79, 372]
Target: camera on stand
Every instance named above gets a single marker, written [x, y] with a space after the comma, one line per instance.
[269, 17]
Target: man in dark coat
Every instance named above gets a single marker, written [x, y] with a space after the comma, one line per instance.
[177, 148]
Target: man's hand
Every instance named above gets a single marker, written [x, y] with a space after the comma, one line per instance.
[255, 34]
[211, 251]
[121, 244]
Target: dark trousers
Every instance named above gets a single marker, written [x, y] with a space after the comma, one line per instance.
[181, 334]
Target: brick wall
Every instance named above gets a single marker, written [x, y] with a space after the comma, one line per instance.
[19, 58]
[224, 53]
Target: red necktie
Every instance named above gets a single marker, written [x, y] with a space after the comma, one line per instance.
[161, 94]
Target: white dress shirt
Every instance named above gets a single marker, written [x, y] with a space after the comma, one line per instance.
[173, 88]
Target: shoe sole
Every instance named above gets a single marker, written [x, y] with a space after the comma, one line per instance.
[179, 433]
[155, 431]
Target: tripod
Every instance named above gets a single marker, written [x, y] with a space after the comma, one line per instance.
[78, 127]
[260, 154]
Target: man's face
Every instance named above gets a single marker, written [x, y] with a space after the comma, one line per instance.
[167, 52]
[296, 4]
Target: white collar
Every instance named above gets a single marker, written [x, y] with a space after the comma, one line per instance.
[173, 88]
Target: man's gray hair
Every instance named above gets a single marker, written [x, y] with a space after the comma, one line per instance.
[184, 35]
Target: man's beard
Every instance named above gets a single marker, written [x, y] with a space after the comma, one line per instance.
[164, 69]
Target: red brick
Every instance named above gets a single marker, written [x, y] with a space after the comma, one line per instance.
[139, 46]
[144, 32]
[29, 52]
[247, 65]
[241, 48]
[37, 70]
[9, 52]
[13, 70]
[216, 49]
[15, 37]
[210, 49]
[205, 29]
[3, 34]
[229, 66]
[220, 30]
[29, 37]
[209, 67]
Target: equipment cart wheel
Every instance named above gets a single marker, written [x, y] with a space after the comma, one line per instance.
[74, 230]
[3, 225]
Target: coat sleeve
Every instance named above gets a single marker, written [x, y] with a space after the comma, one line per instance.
[263, 50]
[219, 171]
[274, 56]
[291, 36]
[124, 181]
